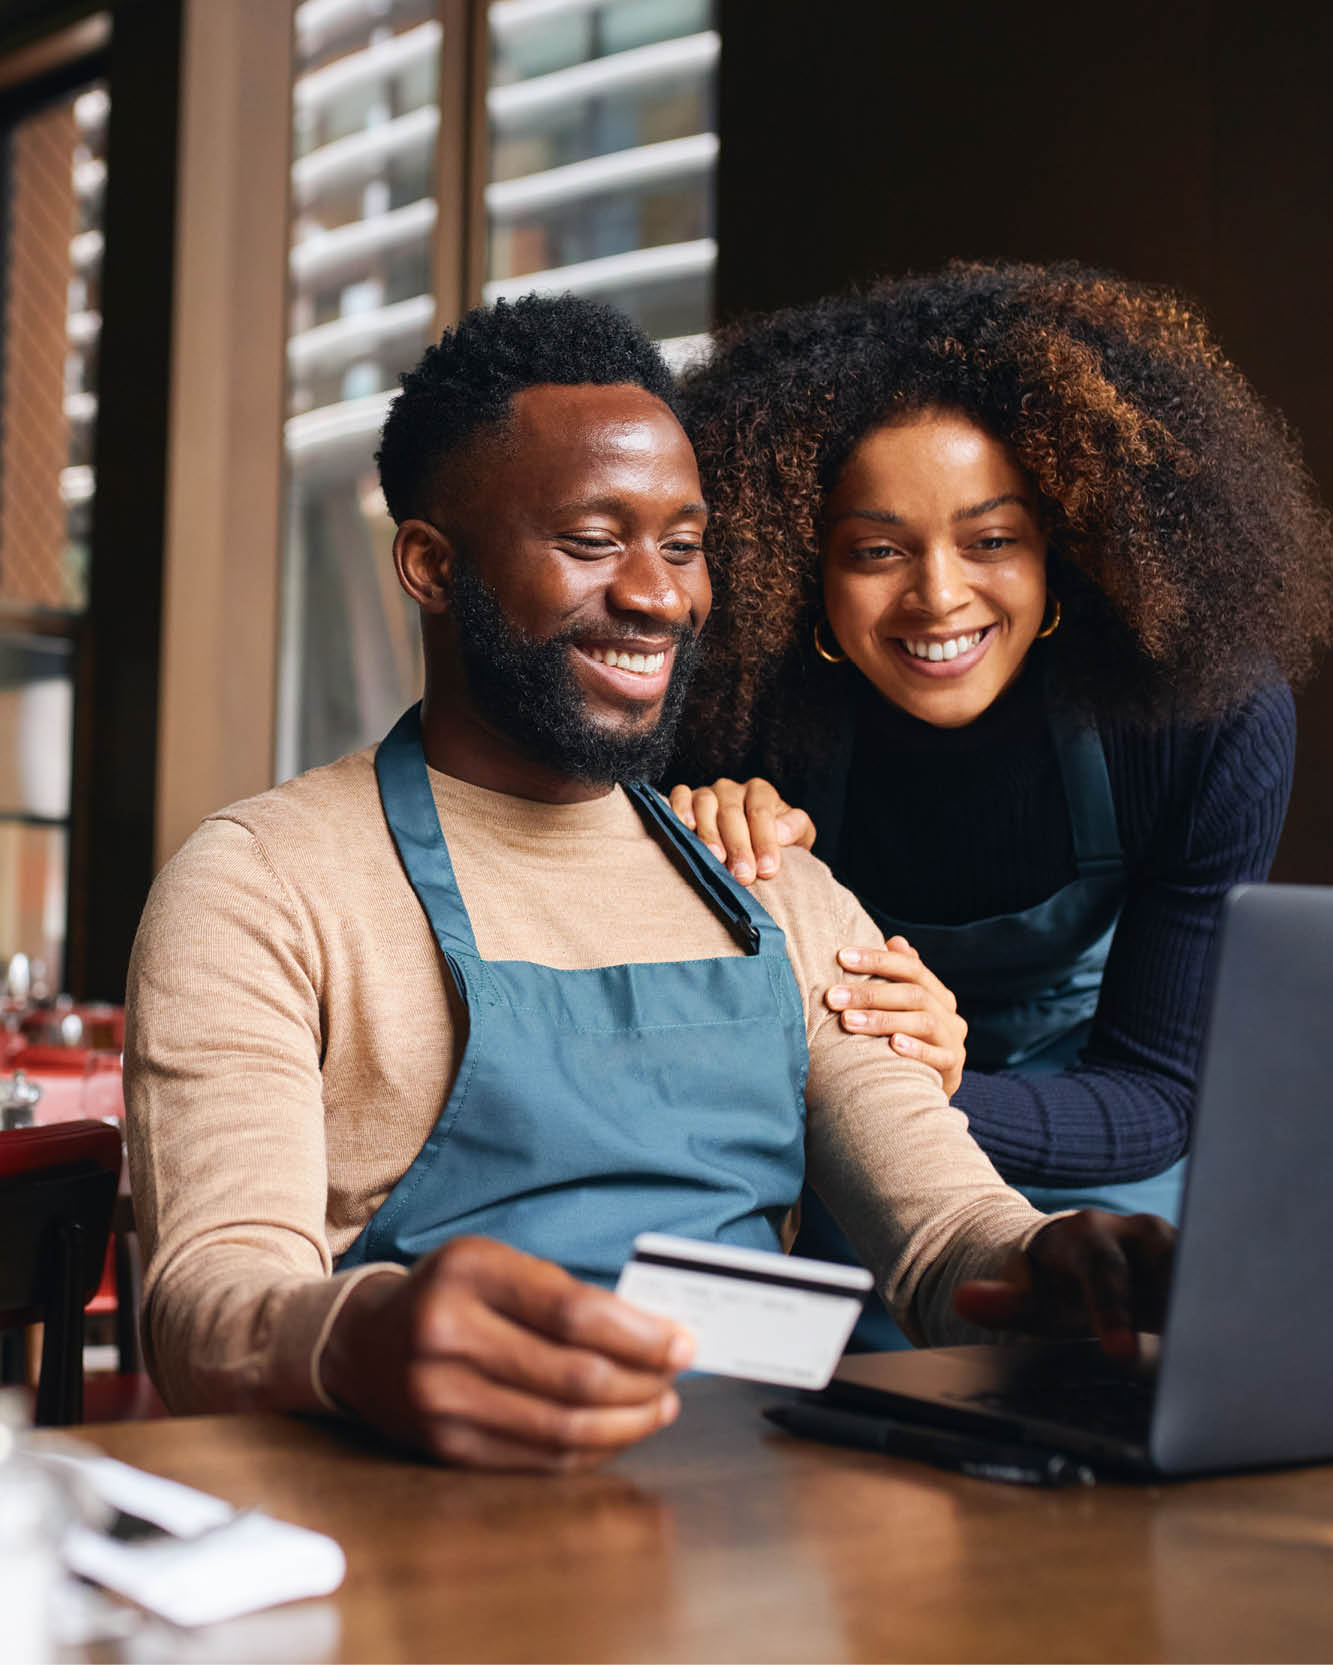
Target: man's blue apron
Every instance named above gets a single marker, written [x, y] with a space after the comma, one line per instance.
[594, 1104]
[1027, 983]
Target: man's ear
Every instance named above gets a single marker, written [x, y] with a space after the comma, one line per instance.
[423, 559]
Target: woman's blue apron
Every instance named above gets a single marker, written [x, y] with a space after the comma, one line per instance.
[1027, 983]
[594, 1104]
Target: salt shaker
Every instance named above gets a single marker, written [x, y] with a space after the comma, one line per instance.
[20, 1097]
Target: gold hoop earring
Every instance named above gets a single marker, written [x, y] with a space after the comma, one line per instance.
[1049, 630]
[823, 653]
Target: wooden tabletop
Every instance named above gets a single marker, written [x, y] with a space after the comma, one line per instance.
[722, 1540]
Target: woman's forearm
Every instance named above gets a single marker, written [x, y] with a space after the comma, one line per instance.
[1095, 1123]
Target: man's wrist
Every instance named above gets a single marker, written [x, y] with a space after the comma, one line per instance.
[338, 1357]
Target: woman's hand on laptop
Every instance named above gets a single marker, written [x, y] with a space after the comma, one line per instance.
[1089, 1272]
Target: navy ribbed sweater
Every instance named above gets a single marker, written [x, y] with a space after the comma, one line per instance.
[955, 825]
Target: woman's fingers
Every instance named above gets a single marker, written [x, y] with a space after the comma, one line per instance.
[794, 827]
[945, 1060]
[700, 814]
[744, 824]
[736, 833]
[681, 800]
[748, 823]
[897, 959]
[891, 991]
[903, 1000]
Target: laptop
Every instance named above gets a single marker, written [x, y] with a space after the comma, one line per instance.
[1243, 1373]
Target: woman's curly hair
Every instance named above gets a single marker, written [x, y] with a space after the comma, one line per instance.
[1188, 547]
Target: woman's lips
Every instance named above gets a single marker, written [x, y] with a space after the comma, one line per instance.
[961, 663]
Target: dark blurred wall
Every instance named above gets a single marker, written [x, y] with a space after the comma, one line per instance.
[1188, 142]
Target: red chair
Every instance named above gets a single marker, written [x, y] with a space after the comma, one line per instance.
[57, 1189]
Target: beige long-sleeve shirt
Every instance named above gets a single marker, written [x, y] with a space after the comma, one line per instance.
[293, 1034]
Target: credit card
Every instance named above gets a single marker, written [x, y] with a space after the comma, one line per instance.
[754, 1314]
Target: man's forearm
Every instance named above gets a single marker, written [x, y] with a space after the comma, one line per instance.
[229, 1330]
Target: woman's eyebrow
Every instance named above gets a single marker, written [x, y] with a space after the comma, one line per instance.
[984, 508]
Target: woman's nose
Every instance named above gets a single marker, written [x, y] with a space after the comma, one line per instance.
[940, 582]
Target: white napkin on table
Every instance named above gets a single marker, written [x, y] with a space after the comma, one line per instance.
[211, 1564]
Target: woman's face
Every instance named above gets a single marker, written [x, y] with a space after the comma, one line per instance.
[934, 566]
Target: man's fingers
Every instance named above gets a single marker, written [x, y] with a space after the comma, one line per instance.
[1104, 1275]
[1087, 1272]
[457, 1442]
[541, 1297]
[1149, 1244]
[508, 1352]
[998, 1304]
[455, 1401]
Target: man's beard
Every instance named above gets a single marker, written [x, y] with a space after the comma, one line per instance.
[529, 690]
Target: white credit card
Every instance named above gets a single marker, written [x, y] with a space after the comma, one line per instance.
[754, 1314]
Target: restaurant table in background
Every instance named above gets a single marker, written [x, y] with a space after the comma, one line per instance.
[66, 1083]
[722, 1540]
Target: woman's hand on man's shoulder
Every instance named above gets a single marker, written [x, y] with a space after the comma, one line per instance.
[745, 824]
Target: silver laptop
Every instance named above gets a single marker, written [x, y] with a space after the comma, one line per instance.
[1243, 1375]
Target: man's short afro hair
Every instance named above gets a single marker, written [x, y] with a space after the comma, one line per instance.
[467, 382]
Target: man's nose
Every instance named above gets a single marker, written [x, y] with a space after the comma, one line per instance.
[940, 582]
[645, 582]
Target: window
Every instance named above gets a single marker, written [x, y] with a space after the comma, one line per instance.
[599, 121]
[603, 151]
[54, 179]
[366, 119]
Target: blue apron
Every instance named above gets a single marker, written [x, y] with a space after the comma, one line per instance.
[594, 1104]
[1027, 984]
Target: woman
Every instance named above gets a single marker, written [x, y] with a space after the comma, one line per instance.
[1012, 569]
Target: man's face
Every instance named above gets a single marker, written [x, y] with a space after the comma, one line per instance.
[579, 585]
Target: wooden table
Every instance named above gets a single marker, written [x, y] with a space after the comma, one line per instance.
[721, 1540]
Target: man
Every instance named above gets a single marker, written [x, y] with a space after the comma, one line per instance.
[420, 1040]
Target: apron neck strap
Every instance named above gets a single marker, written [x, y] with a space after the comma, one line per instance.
[753, 927]
[1088, 798]
[414, 822]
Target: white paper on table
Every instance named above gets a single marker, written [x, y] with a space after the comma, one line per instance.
[213, 1562]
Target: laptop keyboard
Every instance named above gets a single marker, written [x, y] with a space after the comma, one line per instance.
[1103, 1402]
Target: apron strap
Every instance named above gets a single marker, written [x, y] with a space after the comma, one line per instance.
[409, 810]
[414, 822]
[1088, 798]
[751, 924]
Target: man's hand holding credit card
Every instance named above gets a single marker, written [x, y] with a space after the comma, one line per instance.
[754, 1314]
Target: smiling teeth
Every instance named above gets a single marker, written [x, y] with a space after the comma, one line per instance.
[948, 649]
[645, 664]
